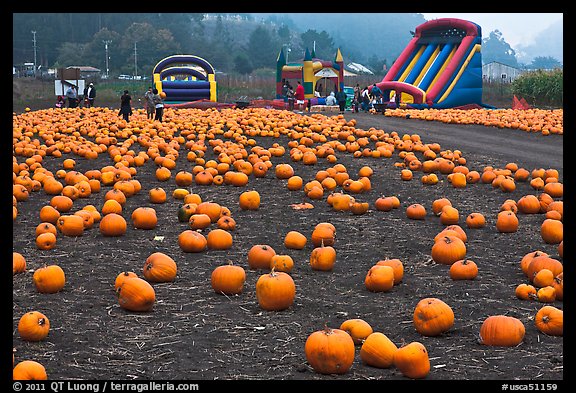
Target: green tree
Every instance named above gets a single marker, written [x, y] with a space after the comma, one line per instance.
[495, 48]
[544, 62]
[261, 48]
[70, 54]
[324, 43]
[242, 64]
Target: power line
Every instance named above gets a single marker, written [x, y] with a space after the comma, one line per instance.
[106, 42]
[34, 40]
[135, 60]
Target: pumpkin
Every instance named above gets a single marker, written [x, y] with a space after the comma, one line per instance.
[416, 212]
[330, 351]
[185, 211]
[228, 279]
[455, 230]
[525, 292]
[464, 269]
[412, 360]
[526, 259]
[546, 294]
[502, 331]
[159, 267]
[323, 235]
[552, 231]
[192, 241]
[120, 278]
[357, 328]
[558, 285]
[70, 225]
[113, 224]
[144, 218]
[275, 291]
[211, 209]
[544, 262]
[49, 214]
[111, 206]
[384, 204]
[432, 317]
[550, 320]
[29, 370]
[378, 351]
[507, 222]
[199, 221]
[226, 223]
[219, 239]
[543, 278]
[87, 217]
[379, 278]
[396, 265]
[49, 279]
[284, 171]
[46, 241]
[295, 240]
[249, 200]
[157, 195]
[136, 294]
[448, 250]
[475, 221]
[529, 204]
[259, 256]
[18, 263]
[33, 326]
[323, 258]
[438, 205]
[282, 263]
[449, 215]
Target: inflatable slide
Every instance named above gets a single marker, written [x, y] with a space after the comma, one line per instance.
[441, 67]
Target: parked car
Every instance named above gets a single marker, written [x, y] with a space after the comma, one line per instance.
[125, 77]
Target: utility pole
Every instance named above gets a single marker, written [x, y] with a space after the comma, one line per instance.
[106, 42]
[135, 60]
[34, 40]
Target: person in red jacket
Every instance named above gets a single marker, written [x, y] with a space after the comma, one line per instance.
[299, 94]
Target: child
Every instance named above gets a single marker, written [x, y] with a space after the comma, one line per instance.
[60, 102]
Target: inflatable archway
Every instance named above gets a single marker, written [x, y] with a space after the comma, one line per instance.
[185, 78]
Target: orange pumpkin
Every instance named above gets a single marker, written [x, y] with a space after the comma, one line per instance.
[136, 294]
[18, 263]
[49, 279]
[378, 351]
[113, 224]
[295, 240]
[448, 250]
[502, 331]
[120, 278]
[275, 291]
[323, 258]
[330, 351]
[357, 328]
[219, 239]
[380, 278]
[144, 218]
[29, 370]
[192, 241]
[550, 320]
[464, 269]
[260, 256]
[159, 267]
[33, 326]
[432, 317]
[228, 279]
[412, 360]
[249, 200]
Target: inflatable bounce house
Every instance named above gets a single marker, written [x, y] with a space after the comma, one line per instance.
[309, 71]
[441, 67]
[185, 79]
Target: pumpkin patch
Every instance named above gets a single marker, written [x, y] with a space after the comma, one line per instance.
[314, 246]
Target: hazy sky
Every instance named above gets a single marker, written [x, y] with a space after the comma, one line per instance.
[518, 28]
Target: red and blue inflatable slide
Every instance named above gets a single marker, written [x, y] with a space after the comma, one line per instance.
[441, 67]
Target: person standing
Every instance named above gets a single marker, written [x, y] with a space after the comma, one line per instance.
[125, 105]
[89, 95]
[376, 94]
[331, 99]
[365, 99]
[285, 85]
[341, 98]
[300, 96]
[290, 95]
[72, 96]
[357, 98]
[158, 105]
[397, 99]
[149, 102]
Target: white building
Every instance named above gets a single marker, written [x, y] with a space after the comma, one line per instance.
[499, 72]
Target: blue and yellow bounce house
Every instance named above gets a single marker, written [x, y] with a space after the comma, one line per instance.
[185, 79]
[441, 67]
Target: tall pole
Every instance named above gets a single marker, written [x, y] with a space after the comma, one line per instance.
[106, 42]
[34, 40]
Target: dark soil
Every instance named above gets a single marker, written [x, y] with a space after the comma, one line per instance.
[194, 333]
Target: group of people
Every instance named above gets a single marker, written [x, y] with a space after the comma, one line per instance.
[292, 96]
[366, 98]
[73, 99]
[153, 101]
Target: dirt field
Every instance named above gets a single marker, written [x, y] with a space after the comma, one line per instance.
[194, 333]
